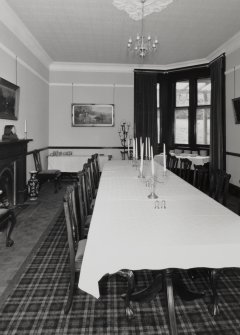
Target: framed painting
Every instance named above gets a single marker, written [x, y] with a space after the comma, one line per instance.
[92, 115]
[9, 100]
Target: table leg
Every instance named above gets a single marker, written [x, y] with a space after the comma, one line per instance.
[170, 301]
[214, 276]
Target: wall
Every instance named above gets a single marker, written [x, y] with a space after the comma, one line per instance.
[19, 66]
[232, 129]
[67, 87]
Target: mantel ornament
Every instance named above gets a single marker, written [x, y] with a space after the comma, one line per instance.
[9, 133]
[134, 7]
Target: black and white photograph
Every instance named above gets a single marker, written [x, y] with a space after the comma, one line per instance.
[120, 167]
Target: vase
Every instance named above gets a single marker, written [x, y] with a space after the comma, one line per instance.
[33, 186]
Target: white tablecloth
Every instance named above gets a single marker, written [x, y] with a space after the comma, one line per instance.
[198, 160]
[72, 163]
[127, 232]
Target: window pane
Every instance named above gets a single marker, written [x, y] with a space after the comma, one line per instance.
[181, 126]
[203, 126]
[182, 93]
[204, 92]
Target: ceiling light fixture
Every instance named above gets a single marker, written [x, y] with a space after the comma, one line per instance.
[142, 45]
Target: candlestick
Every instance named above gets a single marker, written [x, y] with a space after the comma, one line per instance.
[152, 161]
[141, 164]
[146, 148]
[136, 149]
[149, 152]
[164, 157]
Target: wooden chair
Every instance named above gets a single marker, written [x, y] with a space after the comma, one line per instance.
[201, 177]
[218, 185]
[46, 175]
[96, 170]
[185, 169]
[83, 218]
[89, 189]
[7, 220]
[76, 245]
[172, 163]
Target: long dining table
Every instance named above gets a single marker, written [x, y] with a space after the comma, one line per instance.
[182, 228]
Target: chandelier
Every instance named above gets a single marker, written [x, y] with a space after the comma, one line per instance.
[142, 45]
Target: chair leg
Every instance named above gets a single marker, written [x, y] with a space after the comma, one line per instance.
[70, 296]
[11, 224]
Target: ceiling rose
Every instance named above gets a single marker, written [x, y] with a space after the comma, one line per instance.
[134, 7]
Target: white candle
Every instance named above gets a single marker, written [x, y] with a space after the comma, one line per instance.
[142, 150]
[25, 126]
[146, 153]
[149, 152]
[152, 162]
[140, 147]
[136, 148]
[164, 157]
[133, 147]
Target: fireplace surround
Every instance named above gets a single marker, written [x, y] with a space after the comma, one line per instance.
[13, 170]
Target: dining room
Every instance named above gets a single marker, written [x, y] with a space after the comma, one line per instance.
[130, 109]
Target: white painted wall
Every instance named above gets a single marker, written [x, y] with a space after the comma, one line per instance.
[32, 78]
[232, 129]
[69, 87]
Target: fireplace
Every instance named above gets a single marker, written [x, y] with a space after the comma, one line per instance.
[13, 172]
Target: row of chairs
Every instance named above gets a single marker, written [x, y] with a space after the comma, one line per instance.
[215, 183]
[78, 207]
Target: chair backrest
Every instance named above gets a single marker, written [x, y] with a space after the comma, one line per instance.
[201, 177]
[88, 186]
[71, 223]
[37, 160]
[96, 170]
[185, 168]
[172, 163]
[219, 184]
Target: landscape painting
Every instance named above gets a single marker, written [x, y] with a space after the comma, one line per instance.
[92, 115]
[9, 99]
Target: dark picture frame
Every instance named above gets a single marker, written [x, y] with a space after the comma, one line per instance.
[236, 108]
[9, 100]
[92, 115]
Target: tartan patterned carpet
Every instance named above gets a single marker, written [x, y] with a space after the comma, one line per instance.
[35, 305]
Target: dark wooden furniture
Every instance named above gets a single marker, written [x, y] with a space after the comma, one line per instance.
[13, 164]
[7, 223]
[218, 185]
[201, 177]
[185, 169]
[76, 245]
[172, 163]
[46, 175]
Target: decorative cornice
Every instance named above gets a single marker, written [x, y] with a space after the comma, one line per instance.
[228, 47]
[91, 85]
[118, 68]
[134, 7]
[17, 27]
[20, 61]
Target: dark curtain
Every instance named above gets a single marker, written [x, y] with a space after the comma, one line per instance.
[145, 106]
[218, 136]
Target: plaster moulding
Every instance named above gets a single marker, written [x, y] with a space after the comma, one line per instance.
[134, 7]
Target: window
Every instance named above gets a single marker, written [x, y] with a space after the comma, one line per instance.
[203, 111]
[181, 122]
[158, 114]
